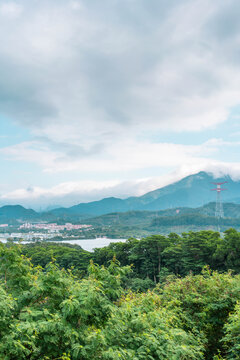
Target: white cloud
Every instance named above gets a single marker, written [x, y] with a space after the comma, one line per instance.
[126, 156]
[31, 151]
[70, 193]
[102, 70]
[76, 5]
[10, 9]
[88, 79]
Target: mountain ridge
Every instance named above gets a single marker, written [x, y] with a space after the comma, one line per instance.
[191, 191]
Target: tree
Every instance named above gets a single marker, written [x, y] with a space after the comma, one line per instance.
[203, 303]
[147, 256]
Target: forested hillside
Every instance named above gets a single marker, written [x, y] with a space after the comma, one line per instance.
[154, 298]
[142, 223]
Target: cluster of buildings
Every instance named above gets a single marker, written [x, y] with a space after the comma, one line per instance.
[40, 231]
[54, 227]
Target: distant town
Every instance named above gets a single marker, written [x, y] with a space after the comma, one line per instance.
[42, 231]
[54, 227]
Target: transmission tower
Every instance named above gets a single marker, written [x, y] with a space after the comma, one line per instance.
[219, 207]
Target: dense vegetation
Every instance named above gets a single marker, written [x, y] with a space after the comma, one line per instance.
[153, 257]
[182, 311]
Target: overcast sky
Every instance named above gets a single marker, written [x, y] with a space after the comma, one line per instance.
[115, 97]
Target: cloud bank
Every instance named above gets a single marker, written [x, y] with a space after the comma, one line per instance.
[94, 81]
[78, 69]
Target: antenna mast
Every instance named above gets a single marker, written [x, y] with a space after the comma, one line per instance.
[219, 207]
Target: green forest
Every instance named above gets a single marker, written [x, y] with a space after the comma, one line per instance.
[174, 297]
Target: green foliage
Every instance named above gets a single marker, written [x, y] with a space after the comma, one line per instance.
[15, 269]
[7, 306]
[177, 254]
[54, 311]
[228, 250]
[141, 329]
[139, 285]
[232, 336]
[66, 256]
[198, 249]
[53, 315]
[203, 303]
[193, 219]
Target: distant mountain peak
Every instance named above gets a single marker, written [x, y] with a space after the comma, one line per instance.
[191, 191]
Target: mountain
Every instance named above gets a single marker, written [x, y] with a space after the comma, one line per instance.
[16, 212]
[94, 208]
[100, 207]
[191, 191]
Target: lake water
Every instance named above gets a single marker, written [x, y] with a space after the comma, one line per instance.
[90, 244]
[86, 244]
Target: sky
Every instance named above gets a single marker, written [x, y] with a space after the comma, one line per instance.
[115, 97]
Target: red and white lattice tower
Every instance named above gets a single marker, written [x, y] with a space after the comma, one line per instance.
[219, 207]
